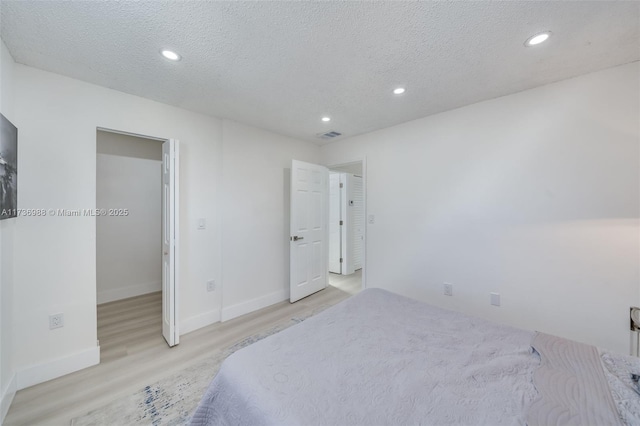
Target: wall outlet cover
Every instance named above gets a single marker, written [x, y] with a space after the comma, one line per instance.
[495, 299]
[211, 285]
[56, 321]
[448, 289]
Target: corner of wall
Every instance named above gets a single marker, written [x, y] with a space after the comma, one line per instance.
[7, 397]
[8, 379]
[35, 374]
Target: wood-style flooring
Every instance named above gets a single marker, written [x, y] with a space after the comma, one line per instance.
[134, 354]
[129, 326]
[352, 284]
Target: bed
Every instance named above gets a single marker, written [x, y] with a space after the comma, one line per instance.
[382, 359]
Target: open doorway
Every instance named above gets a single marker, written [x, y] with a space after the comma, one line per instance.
[131, 254]
[346, 226]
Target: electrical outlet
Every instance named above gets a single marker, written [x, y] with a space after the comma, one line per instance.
[211, 285]
[56, 321]
[448, 289]
[495, 299]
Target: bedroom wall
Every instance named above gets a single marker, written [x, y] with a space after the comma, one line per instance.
[129, 247]
[533, 195]
[255, 256]
[55, 257]
[7, 227]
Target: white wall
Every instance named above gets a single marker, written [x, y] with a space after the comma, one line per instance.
[54, 257]
[533, 195]
[7, 226]
[255, 234]
[129, 247]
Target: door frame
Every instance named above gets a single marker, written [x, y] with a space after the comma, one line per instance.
[332, 223]
[362, 160]
[172, 335]
[176, 220]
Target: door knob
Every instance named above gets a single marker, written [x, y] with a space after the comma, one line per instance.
[166, 253]
[296, 238]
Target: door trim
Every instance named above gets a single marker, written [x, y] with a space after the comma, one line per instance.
[333, 260]
[176, 209]
[172, 335]
[176, 257]
[362, 160]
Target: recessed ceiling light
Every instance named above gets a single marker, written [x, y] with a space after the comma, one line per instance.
[399, 91]
[537, 39]
[326, 119]
[170, 55]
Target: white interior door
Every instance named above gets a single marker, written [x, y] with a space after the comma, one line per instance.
[357, 213]
[309, 229]
[169, 241]
[335, 224]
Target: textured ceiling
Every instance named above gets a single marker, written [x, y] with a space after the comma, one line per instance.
[283, 65]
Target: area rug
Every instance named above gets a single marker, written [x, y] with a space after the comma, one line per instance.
[172, 400]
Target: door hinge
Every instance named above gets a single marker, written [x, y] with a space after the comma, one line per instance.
[341, 184]
[341, 223]
[340, 260]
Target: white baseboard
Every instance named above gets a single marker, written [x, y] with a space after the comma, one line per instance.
[249, 306]
[129, 291]
[40, 373]
[198, 321]
[7, 397]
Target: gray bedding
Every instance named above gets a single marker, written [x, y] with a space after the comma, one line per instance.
[379, 359]
[572, 385]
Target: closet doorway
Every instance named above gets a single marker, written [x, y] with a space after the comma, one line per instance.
[347, 226]
[135, 284]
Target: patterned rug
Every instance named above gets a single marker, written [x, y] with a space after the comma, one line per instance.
[172, 400]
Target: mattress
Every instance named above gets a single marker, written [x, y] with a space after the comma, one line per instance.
[382, 359]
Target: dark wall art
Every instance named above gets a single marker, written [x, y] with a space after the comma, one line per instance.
[8, 169]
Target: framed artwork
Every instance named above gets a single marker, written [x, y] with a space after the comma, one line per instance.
[8, 169]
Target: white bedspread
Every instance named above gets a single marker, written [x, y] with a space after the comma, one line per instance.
[378, 359]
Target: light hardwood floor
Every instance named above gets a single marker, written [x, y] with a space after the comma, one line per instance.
[349, 283]
[134, 355]
[129, 326]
